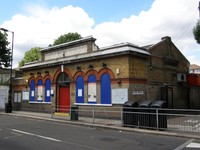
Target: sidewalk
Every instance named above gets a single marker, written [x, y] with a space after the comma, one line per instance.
[87, 122]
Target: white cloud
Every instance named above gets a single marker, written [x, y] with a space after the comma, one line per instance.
[42, 26]
[175, 18]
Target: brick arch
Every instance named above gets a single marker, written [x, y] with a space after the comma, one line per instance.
[108, 71]
[30, 79]
[59, 71]
[80, 73]
[94, 72]
[38, 78]
[47, 77]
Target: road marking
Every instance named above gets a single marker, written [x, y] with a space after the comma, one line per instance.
[192, 121]
[13, 136]
[184, 144]
[193, 145]
[40, 136]
[197, 125]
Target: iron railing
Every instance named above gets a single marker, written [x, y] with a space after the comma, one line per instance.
[176, 120]
[180, 120]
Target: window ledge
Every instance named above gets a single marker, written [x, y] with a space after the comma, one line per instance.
[89, 104]
[39, 102]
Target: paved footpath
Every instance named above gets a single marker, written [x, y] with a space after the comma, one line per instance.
[193, 143]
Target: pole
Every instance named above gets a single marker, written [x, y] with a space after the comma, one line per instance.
[157, 123]
[11, 68]
[199, 9]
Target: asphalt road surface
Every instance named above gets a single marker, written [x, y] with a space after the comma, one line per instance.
[18, 133]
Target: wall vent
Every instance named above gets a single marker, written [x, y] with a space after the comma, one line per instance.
[181, 77]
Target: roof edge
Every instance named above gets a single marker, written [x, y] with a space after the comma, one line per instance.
[84, 39]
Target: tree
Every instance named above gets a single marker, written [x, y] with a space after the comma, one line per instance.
[32, 55]
[5, 51]
[196, 32]
[67, 38]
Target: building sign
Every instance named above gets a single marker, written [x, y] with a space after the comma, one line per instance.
[80, 92]
[119, 96]
[39, 98]
[48, 93]
[32, 93]
[92, 92]
[25, 95]
[138, 93]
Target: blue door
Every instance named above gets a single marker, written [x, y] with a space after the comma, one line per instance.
[80, 90]
[32, 91]
[47, 90]
[105, 89]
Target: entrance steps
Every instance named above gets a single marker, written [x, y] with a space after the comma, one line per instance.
[61, 114]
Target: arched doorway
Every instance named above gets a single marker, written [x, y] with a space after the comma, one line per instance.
[63, 88]
[32, 91]
[105, 89]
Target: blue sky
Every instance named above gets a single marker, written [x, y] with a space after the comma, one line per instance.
[141, 22]
[100, 10]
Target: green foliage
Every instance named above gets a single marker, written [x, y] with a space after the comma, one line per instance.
[5, 51]
[196, 32]
[67, 38]
[32, 55]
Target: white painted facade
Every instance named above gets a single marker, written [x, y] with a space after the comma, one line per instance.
[3, 96]
[66, 52]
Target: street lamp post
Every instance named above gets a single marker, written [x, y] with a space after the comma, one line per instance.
[9, 105]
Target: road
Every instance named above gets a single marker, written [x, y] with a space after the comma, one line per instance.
[18, 133]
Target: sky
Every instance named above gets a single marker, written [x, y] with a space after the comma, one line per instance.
[141, 22]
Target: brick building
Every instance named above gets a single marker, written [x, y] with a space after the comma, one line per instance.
[81, 73]
[167, 72]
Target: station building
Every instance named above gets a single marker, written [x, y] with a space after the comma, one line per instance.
[80, 73]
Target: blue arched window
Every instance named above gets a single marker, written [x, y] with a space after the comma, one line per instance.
[32, 91]
[80, 90]
[105, 89]
[91, 78]
[39, 91]
[48, 90]
[92, 92]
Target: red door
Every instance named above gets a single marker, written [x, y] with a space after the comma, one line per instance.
[64, 99]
